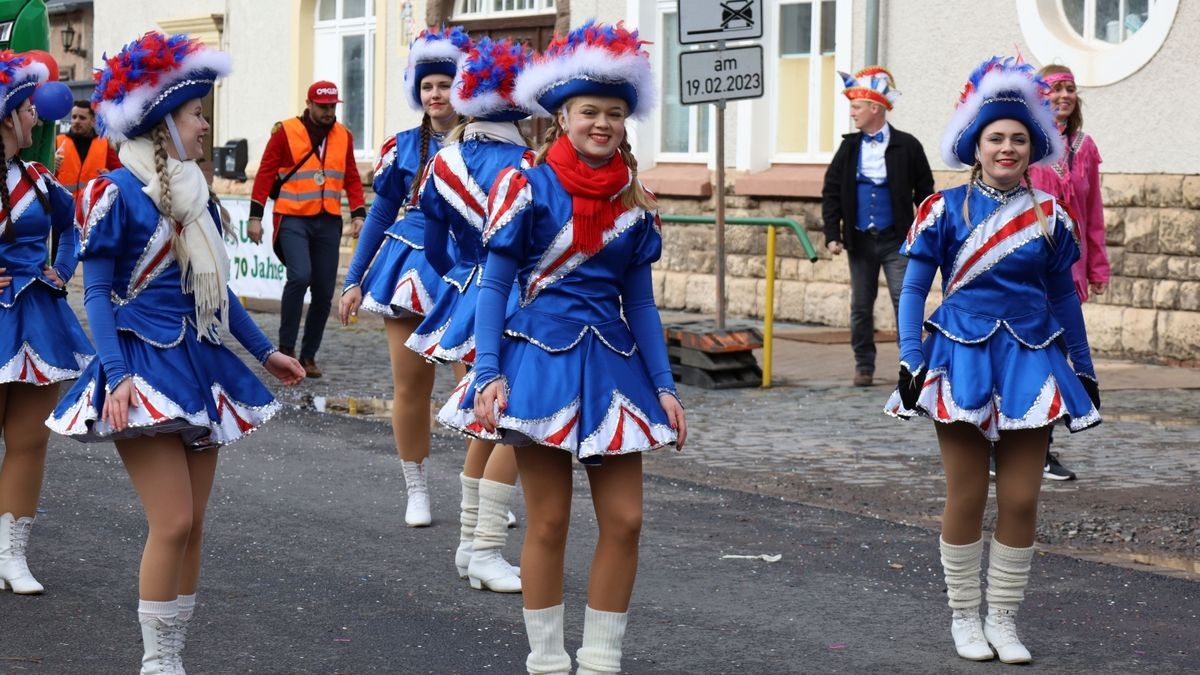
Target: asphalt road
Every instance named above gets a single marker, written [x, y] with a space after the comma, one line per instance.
[309, 569]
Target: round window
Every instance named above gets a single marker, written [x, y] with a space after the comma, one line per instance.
[1102, 41]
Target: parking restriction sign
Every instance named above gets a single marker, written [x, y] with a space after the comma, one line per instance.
[716, 20]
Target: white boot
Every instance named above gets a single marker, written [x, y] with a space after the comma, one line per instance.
[14, 571]
[187, 607]
[161, 644]
[416, 514]
[603, 633]
[1008, 575]
[961, 566]
[488, 568]
[547, 655]
[468, 516]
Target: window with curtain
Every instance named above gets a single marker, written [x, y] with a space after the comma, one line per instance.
[344, 44]
[1106, 21]
[806, 86]
[684, 128]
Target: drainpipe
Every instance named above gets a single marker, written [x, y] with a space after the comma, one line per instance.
[872, 36]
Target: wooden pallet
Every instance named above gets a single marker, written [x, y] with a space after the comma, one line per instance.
[703, 356]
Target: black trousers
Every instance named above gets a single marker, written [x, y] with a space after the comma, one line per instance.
[870, 253]
[311, 245]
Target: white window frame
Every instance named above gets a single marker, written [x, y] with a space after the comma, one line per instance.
[692, 156]
[841, 59]
[1095, 63]
[486, 10]
[328, 65]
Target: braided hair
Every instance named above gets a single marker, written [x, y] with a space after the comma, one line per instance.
[1037, 208]
[5, 200]
[159, 136]
[635, 194]
[976, 172]
[426, 133]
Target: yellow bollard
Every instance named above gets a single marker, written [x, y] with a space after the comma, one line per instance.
[352, 404]
[769, 314]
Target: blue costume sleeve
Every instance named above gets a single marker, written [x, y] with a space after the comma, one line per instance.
[246, 332]
[379, 219]
[649, 249]
[1064, 299]
[97, 300]
[498, 274]
[918, 277]
[62, 219]
[96, 221]
[437, 228]
[638, 305]
[924, 241]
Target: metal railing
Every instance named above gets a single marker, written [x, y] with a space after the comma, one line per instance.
[770, 224]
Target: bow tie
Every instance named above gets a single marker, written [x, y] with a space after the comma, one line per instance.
[876, 137]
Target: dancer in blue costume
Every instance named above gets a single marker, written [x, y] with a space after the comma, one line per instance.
[994, 370]
[41, 342]
[454, 203]
[399, 284]
[164, 389]
[564, 376]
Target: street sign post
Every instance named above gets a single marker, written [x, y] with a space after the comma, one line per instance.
[713, 75]
[703, 21]
[719, 75]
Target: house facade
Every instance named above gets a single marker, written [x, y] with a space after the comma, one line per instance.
[1129, 57]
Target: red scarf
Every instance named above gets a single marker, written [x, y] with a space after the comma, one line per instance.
[594, 193]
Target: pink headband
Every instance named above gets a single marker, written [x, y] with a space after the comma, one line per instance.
[1055, 78]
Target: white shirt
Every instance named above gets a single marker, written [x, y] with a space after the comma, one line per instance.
[871, 156]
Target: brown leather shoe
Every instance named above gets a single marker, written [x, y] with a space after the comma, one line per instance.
[310, 367]
[863, 379]
[288, 351]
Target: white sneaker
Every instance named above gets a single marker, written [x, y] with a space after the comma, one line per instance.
[416, 513]
[489, 570]
[1000, 629]
[967, 630]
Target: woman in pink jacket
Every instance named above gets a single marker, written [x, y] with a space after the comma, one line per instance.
[1075, 181]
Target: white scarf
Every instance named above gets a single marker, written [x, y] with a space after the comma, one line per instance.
[505, 132]
[203, 262]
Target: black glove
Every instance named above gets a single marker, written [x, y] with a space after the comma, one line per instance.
[910, 387]
[1092, 389]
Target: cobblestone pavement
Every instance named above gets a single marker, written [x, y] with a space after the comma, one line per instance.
[818, 440]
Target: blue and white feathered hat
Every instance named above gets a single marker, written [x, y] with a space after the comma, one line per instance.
[1002, 88]
[483, 87]
[20, 76]
[873, 84]
[149, 78]
[594, 59]
[433, 53]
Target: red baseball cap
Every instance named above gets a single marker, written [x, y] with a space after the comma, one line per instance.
[323, 92]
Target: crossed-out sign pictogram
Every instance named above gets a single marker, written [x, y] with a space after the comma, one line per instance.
[715, 20]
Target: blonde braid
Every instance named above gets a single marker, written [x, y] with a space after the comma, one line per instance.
[552, 134]
[976, 170]
[159, 136]
[635, 194]
[1037, 208]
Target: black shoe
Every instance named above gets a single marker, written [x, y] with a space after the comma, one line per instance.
[1054, 470]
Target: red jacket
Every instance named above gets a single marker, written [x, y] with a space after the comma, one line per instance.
[278, 155]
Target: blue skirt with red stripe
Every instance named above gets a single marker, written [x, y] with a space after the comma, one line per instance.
[194, 388]
[400, 282]
[41, 341]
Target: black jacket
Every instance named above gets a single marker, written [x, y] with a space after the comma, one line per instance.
[910, 181]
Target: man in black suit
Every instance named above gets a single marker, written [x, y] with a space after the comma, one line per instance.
[876, 179]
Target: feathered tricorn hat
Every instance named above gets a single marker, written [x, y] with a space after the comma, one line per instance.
[433, 52]
[19, 78]
[483, 88]
[149, 78]
[594, 59]
[873, 84]
[1002, 88]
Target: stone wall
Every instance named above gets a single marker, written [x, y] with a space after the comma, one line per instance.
[1151, 312]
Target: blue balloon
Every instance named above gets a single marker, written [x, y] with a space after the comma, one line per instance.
[53, 100]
